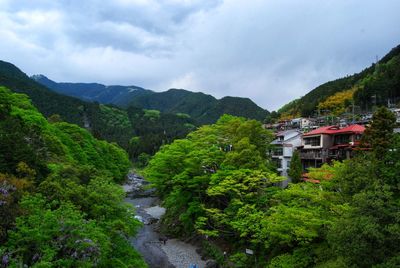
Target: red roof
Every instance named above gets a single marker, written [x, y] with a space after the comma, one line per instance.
[331, 130]
[322, 130]
[352, 129]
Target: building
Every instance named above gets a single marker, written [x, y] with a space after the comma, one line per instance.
[396, 112]
[284, 145]
[344, 142]
[329, 143]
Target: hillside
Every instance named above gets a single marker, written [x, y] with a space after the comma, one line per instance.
[60, 204]
[201, 107]
[375, 85]
[118, 95]
[235, 106]
[106, 122]
[47, 101]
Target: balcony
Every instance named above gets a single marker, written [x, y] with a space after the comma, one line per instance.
[311, 154]
[337, 154]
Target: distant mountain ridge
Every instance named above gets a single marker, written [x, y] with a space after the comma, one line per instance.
[118, 95]
[202, 107]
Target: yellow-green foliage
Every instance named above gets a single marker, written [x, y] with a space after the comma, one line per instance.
[338, 103]
[115, 117]
[289, 115]
[289, 110]
[152, 114]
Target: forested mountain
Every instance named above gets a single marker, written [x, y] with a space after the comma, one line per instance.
[201, 107]
[375, 85]
[234, 106]
[106, 122]
[118, 95]
[48, 102]
[59, 202]
[102, 121]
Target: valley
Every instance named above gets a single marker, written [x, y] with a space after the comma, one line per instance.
[213, 192]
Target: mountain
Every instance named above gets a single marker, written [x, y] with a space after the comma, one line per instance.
[48, 102]
[202, 107]
[118, 95]
[236, 106]
[106, 122]
[375, 85]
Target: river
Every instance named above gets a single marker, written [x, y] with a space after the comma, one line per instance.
[148, 241]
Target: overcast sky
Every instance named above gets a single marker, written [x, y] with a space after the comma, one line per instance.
[271, 51]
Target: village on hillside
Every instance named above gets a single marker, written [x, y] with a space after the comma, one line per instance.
[319, 140]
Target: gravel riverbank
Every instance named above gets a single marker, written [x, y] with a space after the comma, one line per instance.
[174, 253]
[182, 254]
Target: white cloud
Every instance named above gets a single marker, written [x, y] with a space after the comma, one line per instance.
[187, 80]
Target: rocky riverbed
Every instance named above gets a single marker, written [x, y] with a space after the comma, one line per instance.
[150, 243]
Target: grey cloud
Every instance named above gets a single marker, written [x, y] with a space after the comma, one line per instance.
[270, 51]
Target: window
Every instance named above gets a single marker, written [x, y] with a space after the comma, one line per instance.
[277, 151]
[288, 164]
[342, 139]
[313, 141]
[277, 162]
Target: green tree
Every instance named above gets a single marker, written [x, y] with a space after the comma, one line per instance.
[296, 168]
[379, 136]
[79, 218]
[365, 232]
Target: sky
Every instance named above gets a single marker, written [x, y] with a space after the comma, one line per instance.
[271, 51]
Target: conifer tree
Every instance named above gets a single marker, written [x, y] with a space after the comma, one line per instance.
[379, 136]
[296, 168]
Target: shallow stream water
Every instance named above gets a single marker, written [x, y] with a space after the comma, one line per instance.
[148, 241]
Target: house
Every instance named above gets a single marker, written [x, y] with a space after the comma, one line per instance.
[344, 142]
[329, 143]
[306, 123]
[284, 145]
[315, 145]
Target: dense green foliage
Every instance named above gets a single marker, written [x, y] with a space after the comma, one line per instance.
[48, 102]
[111, 124]
[226, 195]
[152, 129]
[100, 120]
[368, 232]
[105, 122]
[203, 108]
[383, 84]
[374, 86]
[59, 202]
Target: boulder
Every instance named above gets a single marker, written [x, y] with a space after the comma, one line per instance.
[211, 264]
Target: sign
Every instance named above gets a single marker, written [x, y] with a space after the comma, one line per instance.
[249, 251]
